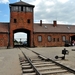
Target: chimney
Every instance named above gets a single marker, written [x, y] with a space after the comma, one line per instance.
[54, 23]
[40, 22]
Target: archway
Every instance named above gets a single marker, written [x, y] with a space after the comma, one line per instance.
[20, 39]
[23, 39]
[72, 39]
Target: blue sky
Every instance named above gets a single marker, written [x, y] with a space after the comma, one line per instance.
[4, 10]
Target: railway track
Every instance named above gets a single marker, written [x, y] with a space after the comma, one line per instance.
[37, 64]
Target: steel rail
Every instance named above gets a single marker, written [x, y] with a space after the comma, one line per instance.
[37, 72]
[63, 66]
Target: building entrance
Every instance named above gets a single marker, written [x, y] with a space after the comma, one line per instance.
[22, 41]
[73, 40]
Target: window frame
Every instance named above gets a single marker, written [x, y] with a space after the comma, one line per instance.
[63, 38]
[39, 38]
[29, 9]
[28, 21]
[15, 20]
[53, 39]
[57, 39]
[49, 38]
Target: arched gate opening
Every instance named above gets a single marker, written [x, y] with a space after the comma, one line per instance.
[72, 39]
[25, 42]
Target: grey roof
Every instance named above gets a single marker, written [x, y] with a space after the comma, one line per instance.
[4, 27]
[22, 3]
[49, 28]
[45, 28]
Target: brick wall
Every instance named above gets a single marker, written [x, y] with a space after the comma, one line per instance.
[45, 42]
[21, 23]
[3, 40]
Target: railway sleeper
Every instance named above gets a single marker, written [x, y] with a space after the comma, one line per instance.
[26, 67]
[48, 68]
[42, 65]
[53, 72]
[28, 70]
[37, 63]
[29, 73]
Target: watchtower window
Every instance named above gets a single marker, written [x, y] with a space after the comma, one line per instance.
[28, 9]
[28, 21]
[19, 8]
[14, 8]
[15, 21]
[23, 8]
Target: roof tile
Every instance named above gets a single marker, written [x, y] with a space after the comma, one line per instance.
[57, 29]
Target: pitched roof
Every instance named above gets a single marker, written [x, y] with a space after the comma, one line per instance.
[45, 28]
[49, 28]
[4, 27]
[22, 3]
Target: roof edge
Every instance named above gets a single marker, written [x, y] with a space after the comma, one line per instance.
[21, 3]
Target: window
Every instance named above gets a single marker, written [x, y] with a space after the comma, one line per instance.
[39, 38]
[57, 39]
[64, 38]
[28, 21]
[28, 9]
[53, 39]
[23, 8]
[49, 38]
[20, 8]
[15, 8]
[15, 21]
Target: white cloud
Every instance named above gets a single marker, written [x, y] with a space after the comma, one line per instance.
[49, 3]
[62, 10]
[48, 10]
[63, 1]
[4, 1]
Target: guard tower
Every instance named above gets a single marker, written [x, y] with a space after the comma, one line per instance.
[21, 20]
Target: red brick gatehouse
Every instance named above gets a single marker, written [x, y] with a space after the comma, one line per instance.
[38, 34]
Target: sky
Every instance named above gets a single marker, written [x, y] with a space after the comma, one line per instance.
[63, 11]
[46, 10]
[20, 36]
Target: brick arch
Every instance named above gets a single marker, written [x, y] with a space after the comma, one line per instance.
[28, 32]
[72, 39]
[25, 31]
